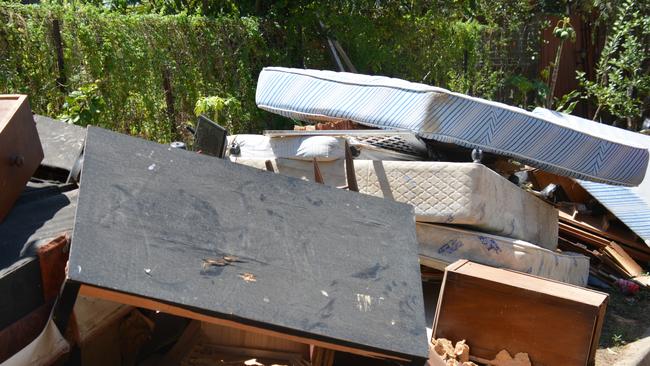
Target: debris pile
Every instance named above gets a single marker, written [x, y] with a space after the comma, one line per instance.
[402, 224]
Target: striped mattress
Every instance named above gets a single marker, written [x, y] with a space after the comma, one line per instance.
[438, 114]
[631, 205]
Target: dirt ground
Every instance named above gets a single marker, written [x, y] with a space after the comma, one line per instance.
[627, 320]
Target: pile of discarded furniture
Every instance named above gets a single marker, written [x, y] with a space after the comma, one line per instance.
[394, 221]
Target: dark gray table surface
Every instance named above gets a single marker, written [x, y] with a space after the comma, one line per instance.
[329, 264]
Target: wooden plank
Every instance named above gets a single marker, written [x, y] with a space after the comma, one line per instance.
[623, 260]
[237, 338]
[318, 177]
[350, 174]
[584, 236]
[613, 233]
[322, 357]
[495, 309]
[122, 298]
[158, 223]
[52, 259]
[269, 166]
[567, 245]
[20, 149]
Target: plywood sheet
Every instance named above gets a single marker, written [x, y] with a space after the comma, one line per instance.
[313, 261]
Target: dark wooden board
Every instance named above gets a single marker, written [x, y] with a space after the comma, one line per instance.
[495, 309]
[20, 149]
[331, 265]
[21, 289]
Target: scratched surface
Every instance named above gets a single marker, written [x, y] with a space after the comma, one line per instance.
[312, 260]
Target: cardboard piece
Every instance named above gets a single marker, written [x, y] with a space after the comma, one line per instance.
[496, 309]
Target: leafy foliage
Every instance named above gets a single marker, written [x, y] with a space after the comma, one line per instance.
[146, 66]
[120, 60]
[227, 112]
[622, 79]
[83, 106]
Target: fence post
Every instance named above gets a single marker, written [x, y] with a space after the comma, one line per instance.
[58, 44]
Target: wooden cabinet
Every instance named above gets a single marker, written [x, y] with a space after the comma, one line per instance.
[20, 149]
[495, 309]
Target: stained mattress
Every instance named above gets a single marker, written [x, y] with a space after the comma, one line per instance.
[442, 245]
[438, 114]
[463, 194]
[452, 193]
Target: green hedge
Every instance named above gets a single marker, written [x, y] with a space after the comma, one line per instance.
[114, 63]
[125, 56]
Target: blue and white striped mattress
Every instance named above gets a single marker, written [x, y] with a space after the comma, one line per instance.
[631, 205]
[438, 114]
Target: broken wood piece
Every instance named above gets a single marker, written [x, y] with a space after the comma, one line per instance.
[269, 166]
[462, 351]
[623, 259]
[350, 175]
[318, 177]
[594, 225]
[444, 348]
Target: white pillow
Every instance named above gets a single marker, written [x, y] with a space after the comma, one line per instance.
[323, 148]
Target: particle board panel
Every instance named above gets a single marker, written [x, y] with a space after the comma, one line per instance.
[495, 309]
[20, 149]
[314, 262]
[62, 142]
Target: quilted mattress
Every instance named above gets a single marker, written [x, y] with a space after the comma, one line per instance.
[463, 194]
[441, 245]
[452, 193]
[435, 113]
